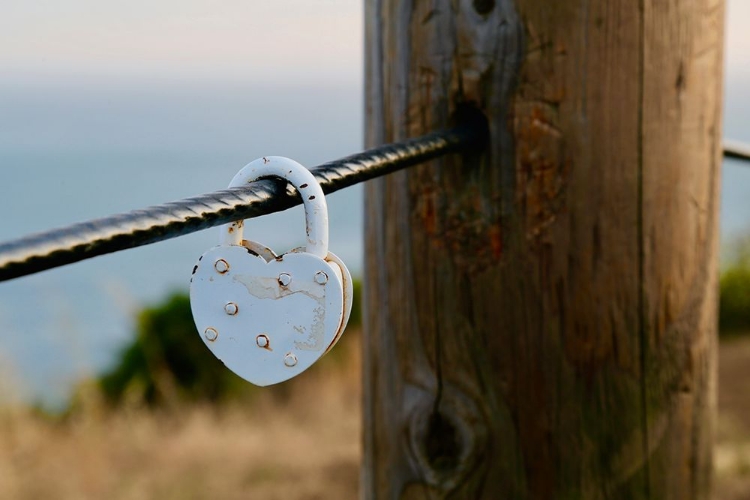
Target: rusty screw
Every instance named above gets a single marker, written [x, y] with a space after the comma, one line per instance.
[221, 266]
[211, 334]
[290, 360]
[262, 341]
[321, 278]
[285, 279]
[231, 308]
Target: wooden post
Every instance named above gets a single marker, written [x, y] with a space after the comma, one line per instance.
[541, 318]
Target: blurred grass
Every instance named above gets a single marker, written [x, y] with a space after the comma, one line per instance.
[299, 440]
[169, 422]
[732, 452]
[304, 447]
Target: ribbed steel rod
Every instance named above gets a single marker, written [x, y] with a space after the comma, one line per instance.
[737, 150]
[57, 247]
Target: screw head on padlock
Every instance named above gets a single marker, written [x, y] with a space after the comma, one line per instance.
[271, 317]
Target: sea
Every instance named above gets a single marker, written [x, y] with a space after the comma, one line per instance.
[72, 151]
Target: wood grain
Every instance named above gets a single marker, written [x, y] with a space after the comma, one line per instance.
[541, 317]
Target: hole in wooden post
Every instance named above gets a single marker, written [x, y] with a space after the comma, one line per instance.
[484, 6]
[469, 116]
[442, 443]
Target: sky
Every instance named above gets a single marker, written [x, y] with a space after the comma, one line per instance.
[737, 55]
[271, 41]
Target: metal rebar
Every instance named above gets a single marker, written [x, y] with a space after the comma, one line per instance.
[737, 150]
[57, 247]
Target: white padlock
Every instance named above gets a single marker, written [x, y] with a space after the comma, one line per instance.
[267, 317]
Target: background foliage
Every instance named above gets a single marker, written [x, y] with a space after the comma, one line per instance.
[734, 283]
[167, 362]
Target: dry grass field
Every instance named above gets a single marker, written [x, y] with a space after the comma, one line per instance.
[302, 445]
[732, 457]
[305, 445]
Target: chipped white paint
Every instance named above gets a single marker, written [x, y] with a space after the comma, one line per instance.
[265, 288]
[286, 311]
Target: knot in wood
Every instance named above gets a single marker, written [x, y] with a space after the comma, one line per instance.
[447, 443]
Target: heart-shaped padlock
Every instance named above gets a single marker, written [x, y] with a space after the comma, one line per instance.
[267, 317]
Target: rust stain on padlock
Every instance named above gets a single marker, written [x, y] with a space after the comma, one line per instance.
[263, 342]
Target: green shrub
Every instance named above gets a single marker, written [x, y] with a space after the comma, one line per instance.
[734, 303]
[168, 361]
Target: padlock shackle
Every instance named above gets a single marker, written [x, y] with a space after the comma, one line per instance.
[316, 208]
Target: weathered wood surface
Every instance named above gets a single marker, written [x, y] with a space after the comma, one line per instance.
[541, 321]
